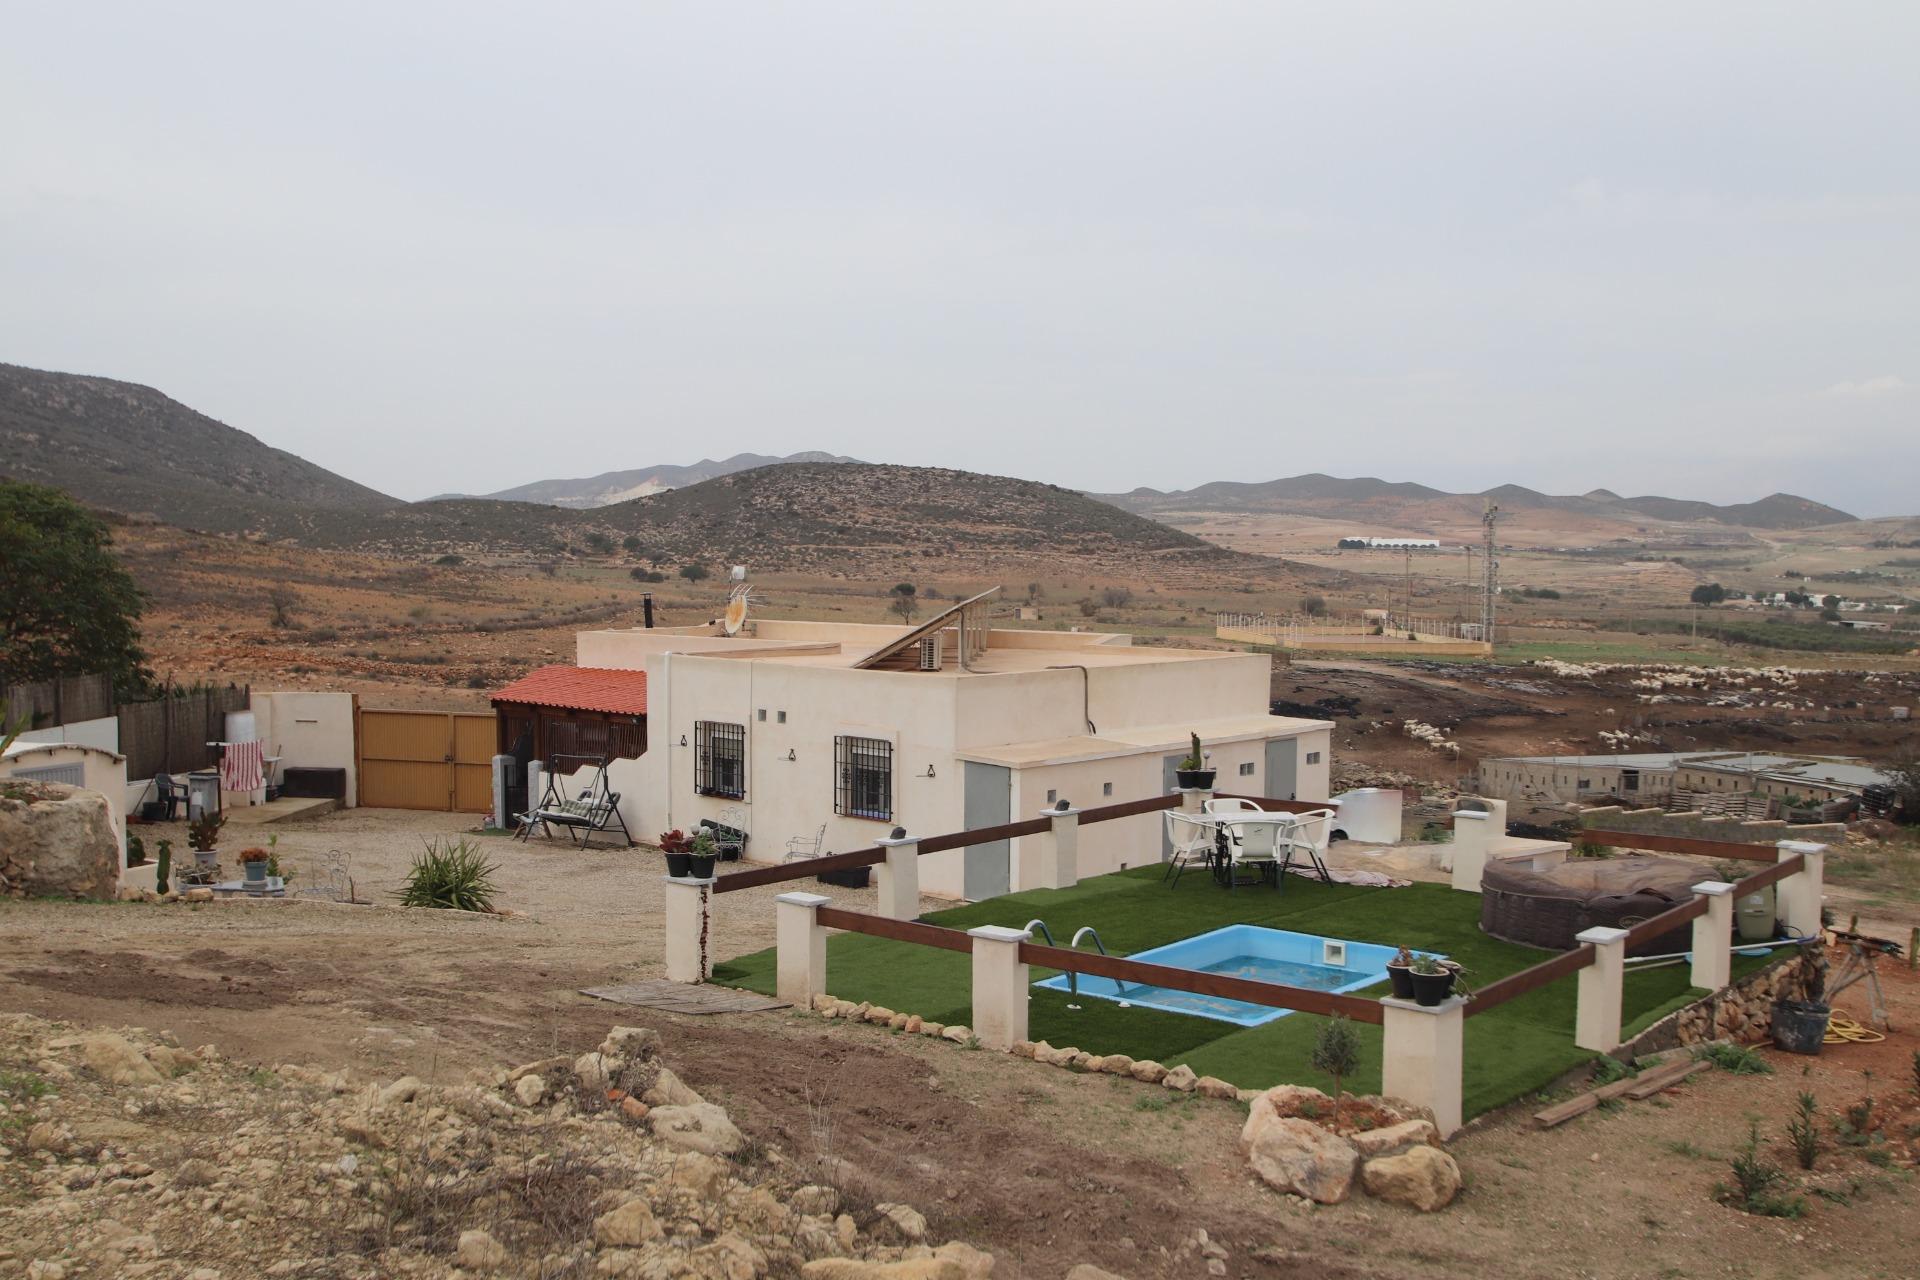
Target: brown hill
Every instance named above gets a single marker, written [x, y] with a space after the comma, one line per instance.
[128, 448]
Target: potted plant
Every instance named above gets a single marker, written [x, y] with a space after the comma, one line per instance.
[701, 852]
[255, 861]
[678, 848]
[203, 835]
[1432, 981]
[163, 873]
[1400, 974]
[1192, 772]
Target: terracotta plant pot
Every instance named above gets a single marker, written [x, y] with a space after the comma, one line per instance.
[1429, 989]
[1401, 976]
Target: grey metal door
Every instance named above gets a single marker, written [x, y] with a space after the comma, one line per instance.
[986, 801]
[1283, 776]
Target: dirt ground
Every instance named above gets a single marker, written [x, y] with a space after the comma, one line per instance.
[1041, 1166]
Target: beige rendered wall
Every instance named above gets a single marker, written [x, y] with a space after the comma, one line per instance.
[794, 797]
[309, 730]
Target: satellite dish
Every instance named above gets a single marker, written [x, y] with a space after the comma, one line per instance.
[736, 615]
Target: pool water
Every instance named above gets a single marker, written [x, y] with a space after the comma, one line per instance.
[1244, 951]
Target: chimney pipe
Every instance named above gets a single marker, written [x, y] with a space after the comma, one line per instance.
[646, 608]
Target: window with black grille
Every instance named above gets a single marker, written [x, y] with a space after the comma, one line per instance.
[720, 759]
[863, 773]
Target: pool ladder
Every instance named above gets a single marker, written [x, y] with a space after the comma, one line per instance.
[1073, 977]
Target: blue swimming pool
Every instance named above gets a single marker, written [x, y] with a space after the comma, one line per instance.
[1244, 951]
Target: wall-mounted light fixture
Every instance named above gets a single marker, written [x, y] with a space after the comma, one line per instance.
[683, 739]
[791, 755]
[929, 772]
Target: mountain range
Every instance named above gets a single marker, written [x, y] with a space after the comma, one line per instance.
[610, 487]
[1402, 503]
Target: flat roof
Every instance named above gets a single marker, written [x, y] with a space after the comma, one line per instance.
[1841, 772]
[1133, 742]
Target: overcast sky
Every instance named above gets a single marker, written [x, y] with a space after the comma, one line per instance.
[1658, 248]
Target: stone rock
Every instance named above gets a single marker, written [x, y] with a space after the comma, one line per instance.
[699, 1175]
[933, 1029]
[48, 1136]
[1374, 1143]
[1087, 1271]
[669, 1090]
[898, 1022]
[1147, 1071]
[539, 1068]
[958, 1034]
[1424, 1178]
[977, 1264]
[405, 1089]
[730, 1257]
[60, 845]
[700, 1127]
[1095, 1062]
[1081, 1060]
[478, 1251]
[1299, 1157]
[906, 1269]
[195, 1173]
[1052, 1057]
[170, 1061]
[913, 1024]
[631, 1224]
[1287, 1100]
[1117, 1064]
[199, 893]
[634, 1109]
[879, 1015]
[1022, 1049]
[634, 1044]
[39, 1269]
[1215, 1087]
[1181, 1078]
[114, 1059]
[594, 1071]
[530, 1089]
[824, 1003]
[911, 1222]
[815, 1199]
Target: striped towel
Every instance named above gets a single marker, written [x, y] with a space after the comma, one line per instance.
[243, 766]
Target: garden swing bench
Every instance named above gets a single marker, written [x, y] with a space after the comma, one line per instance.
[594, 807]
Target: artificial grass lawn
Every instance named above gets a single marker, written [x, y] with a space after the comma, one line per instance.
[1512, 1050]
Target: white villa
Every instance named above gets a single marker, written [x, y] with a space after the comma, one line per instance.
[800, 732]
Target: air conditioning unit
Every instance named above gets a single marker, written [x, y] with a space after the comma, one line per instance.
[930, 653]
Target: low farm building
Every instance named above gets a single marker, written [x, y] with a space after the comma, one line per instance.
[827, 735]
[1660, 777]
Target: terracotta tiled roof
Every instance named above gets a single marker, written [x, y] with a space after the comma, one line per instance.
[580, 689]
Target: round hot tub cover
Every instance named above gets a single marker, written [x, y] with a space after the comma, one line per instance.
[1548, 908]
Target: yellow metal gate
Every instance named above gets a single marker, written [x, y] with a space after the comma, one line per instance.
[427, 760]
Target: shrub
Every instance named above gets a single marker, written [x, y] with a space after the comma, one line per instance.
[449, 560]
[203, 833]
[694, 572]
[451, 873]
[1336, 1051]
[1737, 1059]
[1757, 1182]
[1803, 1132]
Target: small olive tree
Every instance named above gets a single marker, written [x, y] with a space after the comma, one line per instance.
[1336, 1051]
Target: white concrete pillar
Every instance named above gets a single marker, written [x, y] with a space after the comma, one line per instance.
[899, 878]
[1060, 850]
[688, 903]
[1799, 895]
[800, 948]
[1713, 937]
[1000, 986]
[1472, 837]
[1422, 1053]
[1596, 1019]
[1194, 799]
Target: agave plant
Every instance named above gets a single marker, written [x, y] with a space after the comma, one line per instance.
[451, 873]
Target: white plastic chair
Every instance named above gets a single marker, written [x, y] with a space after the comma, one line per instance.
[1229, 805]
[802, 848]
[1311, 833]
[1255, 841]
[1192, 839]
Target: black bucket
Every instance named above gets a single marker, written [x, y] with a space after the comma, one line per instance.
[1800, 1026]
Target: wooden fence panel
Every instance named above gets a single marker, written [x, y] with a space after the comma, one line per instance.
[64, 700]
[171, 733]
